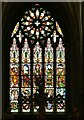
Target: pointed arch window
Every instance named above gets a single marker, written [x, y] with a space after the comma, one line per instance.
[38, 66]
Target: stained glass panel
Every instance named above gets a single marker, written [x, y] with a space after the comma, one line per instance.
[14, 105]
[26, 92]
[59, 29]
[48, 58]
[49, 106]
[25, 77]
[49, 81]
[35, 107]
[50, 92]
[37, 52]
[60, 78]
[14, 81]
[37, 67]
[14, 92]
[14, 77]
[48, 70]
[60, 81]
[15, 29]
[26, 106]
[60, 97]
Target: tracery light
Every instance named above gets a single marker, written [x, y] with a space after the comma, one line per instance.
[39, 22]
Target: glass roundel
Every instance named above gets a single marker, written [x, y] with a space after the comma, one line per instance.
[37, 23]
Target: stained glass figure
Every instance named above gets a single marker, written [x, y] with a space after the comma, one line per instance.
[49, 106]
[14, 106]
[54, 36]
[14, 81]
[14, 92]
[50, 95]
[49, 75]
[14, 52]
[26, 81]
[37, 67]
[37, 52]
[60, 77]
[20, 36]
[14, 76]
[25, 53]
[60, 81]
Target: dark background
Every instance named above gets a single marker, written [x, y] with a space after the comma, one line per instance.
[70, 18]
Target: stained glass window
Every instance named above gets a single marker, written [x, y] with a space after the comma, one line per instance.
[37, 65]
